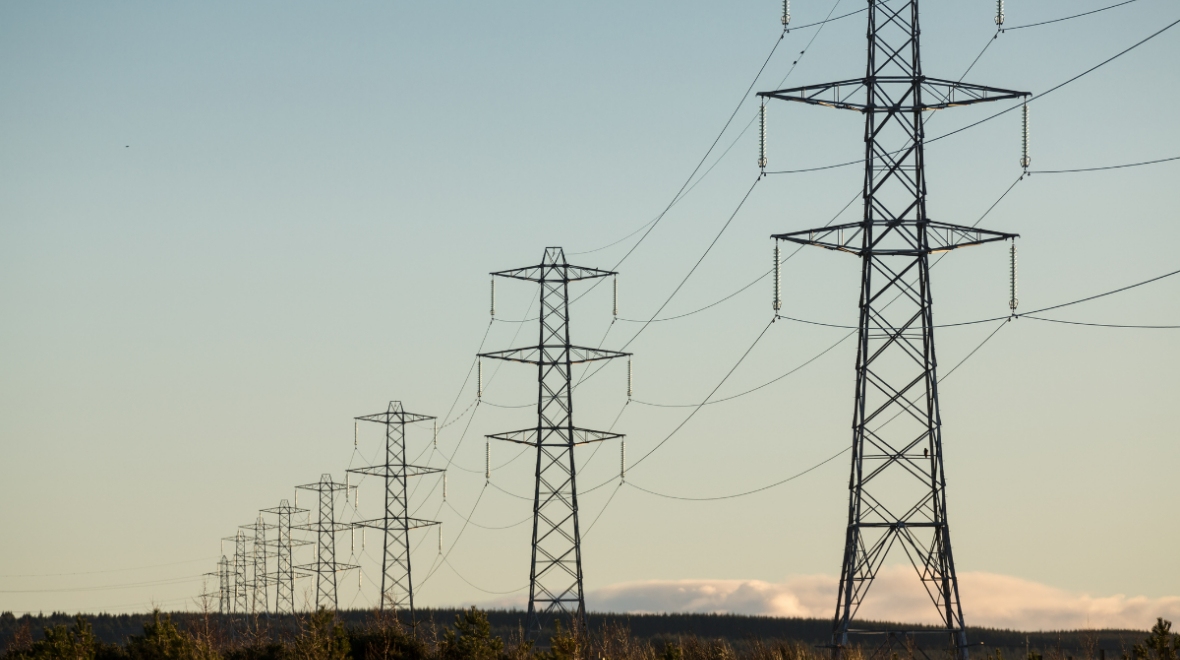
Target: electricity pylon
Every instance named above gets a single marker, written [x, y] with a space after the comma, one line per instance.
[224, 600]
[257, 561]
[897, 487]
[284, 576]
[397, 586]
[241, 593]
[555, 577]
[325, 565]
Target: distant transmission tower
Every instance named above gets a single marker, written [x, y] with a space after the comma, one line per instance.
[325, 566]
[555, 579]
[241, 593]
[284, 576]
[897, 487]
[224, 599]
[258, 560]
[397, 587]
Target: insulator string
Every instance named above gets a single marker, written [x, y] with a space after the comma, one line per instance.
[623, 460]
[493, 297]
[787, 12]
[778, 280]
[1025, 161]
[999, 12]
[762, 136]
[629, 379]
[615, 285]
[1013, 301]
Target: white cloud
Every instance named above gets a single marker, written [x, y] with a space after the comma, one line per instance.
[989, 600]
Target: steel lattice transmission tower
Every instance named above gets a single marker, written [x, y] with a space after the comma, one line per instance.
[397, 587]
[897, 486]
[224, 599]
[284, 576]
[239, 599]
[325, 565]
[555, 577]
[257, 562]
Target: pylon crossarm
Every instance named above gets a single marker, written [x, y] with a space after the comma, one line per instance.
[294, 543]
[286, 509]
[554, 354]
[951, 94]
[324, 527]
[853, 94]
[832, 95]
[395, 417]
[395, 470]
[845, 238]
[335, 566]
[554, 273]
[940, 237]
[943, 236]
[411, 523]
[580, 437]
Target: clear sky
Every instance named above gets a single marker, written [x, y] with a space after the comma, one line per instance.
[227, 228]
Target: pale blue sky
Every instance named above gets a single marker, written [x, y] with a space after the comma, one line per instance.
[228, 228]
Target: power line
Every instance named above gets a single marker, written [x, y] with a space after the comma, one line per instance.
[744, 287]
[1005, 111]
[679, 199]
[462, 529]
[479, 588]
[1103, 295]
[751, 390]
[825, 351]
[603, 509]
[702, 404]
[1107, 167]
[827, 20]
[821, 463]
[748, 492]
[821, 24]
[1105, 325]
[108, 587]
[682, 281]
[683, 191]
[490, 527]
[1029, 314]
[696, 265]
[111, 570]
[696, 169]
[1049, 91]
[1066, 18]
